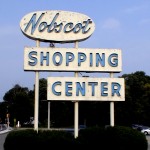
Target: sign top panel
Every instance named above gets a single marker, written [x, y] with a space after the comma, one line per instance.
[57, 26]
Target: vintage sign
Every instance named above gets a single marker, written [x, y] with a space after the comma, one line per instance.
[57, 26]
[72, 59]
[85, 89]
[66, 27]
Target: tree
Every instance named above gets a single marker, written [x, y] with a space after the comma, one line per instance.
[19, 102]
[136, 107]
[61, 112]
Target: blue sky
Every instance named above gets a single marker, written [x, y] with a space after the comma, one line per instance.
[119, 24]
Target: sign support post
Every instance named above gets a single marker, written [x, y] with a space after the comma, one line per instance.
[49, 114]
[111, 108]
[76, 107]
[36, 109]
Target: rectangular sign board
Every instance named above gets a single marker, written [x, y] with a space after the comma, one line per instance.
[72, 59]
[85, 89]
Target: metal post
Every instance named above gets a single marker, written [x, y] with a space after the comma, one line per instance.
[76, 107]
[49, 114]
[111, 108]
[52, 45]
[8, 122]
[36, 109]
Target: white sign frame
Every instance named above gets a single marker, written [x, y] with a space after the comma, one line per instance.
[55, 59]
[58, 85]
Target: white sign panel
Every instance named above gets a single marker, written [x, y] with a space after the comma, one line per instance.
[72, 59]
[85, 89]
[57, 26]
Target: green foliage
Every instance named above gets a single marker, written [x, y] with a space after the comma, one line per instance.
[29, 139]
[124, 138]
[23, 139]
[136, 108]
[118, 138]
[19, 103]
[93, 136]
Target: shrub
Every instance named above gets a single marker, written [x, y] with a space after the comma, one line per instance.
[124, 138]
[118, 138]
[29, 139]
